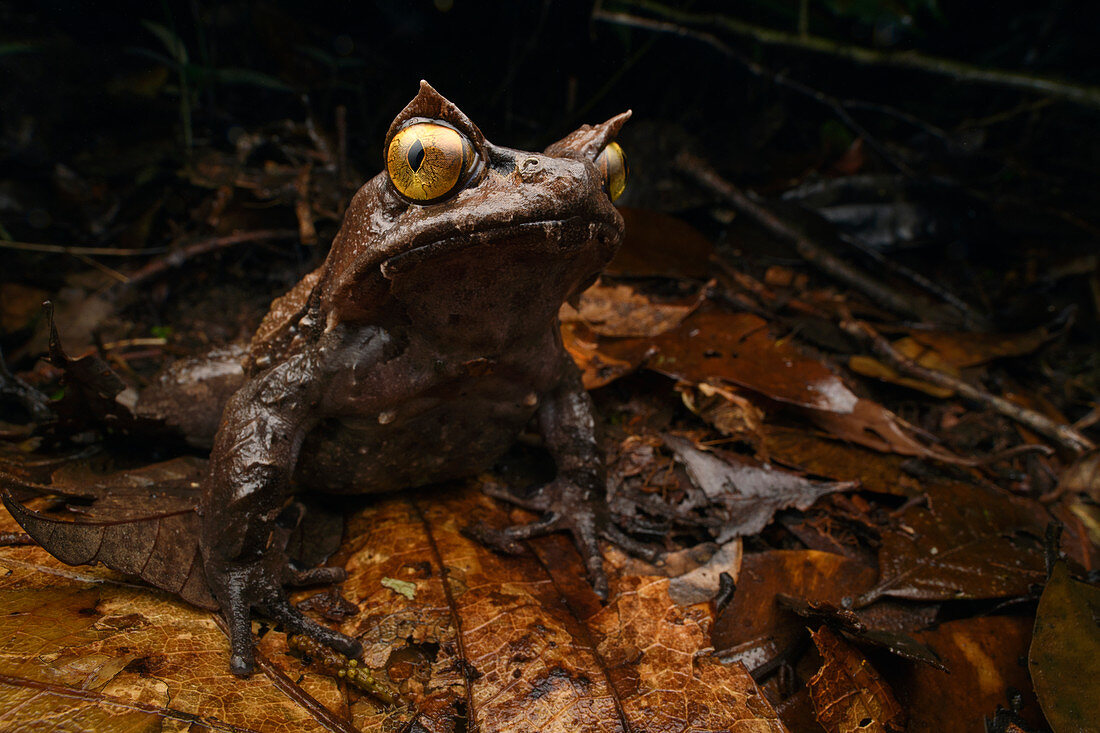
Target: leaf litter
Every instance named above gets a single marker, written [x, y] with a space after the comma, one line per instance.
[909, 528]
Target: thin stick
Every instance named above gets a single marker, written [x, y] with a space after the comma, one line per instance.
[1064, 435]
[1088, 96]
[96, 251]
[760, 71]
[971, 318]
[811, 252]
[187, 252]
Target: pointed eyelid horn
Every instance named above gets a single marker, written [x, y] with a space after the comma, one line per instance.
[588, 140]
[430, 104]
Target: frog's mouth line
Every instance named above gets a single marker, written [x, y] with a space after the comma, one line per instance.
[561, 234]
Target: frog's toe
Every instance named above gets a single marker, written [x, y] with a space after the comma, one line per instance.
[326, 575]
[508, 540]
[295, 622]
[616, 536]
[581, 524]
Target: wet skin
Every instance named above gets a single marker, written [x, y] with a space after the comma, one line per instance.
[425, 343]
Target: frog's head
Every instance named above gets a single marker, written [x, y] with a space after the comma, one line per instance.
[458, 229]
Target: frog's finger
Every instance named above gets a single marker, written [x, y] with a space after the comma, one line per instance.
[507, 540]
[613, 534]
[326, 575]
[296, 623]
[587, 543]
[237, 614]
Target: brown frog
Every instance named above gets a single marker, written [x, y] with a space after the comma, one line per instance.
[417, 353]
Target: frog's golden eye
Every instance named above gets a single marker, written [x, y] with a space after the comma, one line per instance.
[428, 161]
[611, 162]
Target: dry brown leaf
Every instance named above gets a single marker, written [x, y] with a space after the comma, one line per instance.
[870, 424]
[848, 693]
[621, 311]
[743, 493]
[602, 361]
[721, 406]
[107, 652]
[1083, 477]
[871, 367]
[478, 640]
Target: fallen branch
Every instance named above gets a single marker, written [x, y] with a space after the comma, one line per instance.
[1088, 96]
[178, 257]
[813, 253]
[834, 104]
[1064, 435]
[96, 251]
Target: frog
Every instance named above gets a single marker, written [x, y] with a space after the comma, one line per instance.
[419, 350]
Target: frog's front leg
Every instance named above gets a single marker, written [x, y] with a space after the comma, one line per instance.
[244, 531]
[575, 501]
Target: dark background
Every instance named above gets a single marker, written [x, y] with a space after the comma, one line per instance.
[95, 138]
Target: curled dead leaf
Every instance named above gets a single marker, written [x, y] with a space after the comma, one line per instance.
[848, 693]
[620, 310]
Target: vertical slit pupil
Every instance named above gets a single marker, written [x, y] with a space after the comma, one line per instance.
[416, 155]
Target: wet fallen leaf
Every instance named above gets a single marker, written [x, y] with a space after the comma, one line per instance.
[658, 245]
[1065, 652]
[161, 547]
[851, 627]
[962, 349]
[81, 649]
[738, 348]
[983, 659]
[713, 346]
[838, 460]
[967, 542]
[745, 494]
[848, 693]
[754, 629]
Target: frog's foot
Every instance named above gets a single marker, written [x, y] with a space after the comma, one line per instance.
[243, 586]
[565, 507]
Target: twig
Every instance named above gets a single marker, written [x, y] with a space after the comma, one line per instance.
[760, 71]
[97, 251]
[807, 249]
[926, 127]
[1064, 435]
[1088, 96]
[185, 253]
[971, 318]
